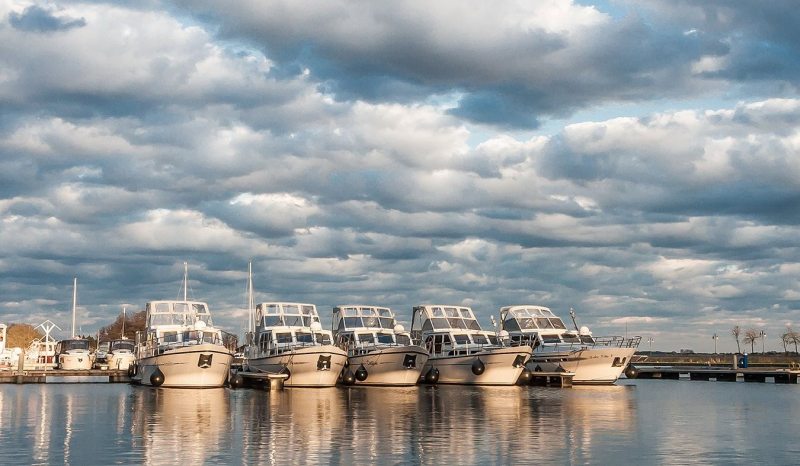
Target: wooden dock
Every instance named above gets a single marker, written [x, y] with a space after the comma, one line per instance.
[719, 374]
[62, 376]
[268, 380]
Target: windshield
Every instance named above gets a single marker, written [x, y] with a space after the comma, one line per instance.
[76, 345]
[122, 345]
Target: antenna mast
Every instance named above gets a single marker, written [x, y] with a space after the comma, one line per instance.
[185, 280]
[572, 314]
[74, 302]
[250, 298]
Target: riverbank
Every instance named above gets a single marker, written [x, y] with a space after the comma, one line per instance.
[658, 358]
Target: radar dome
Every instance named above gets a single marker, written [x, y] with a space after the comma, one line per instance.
[585, 331]
[503, 334]
[398, 328]
[199, 324]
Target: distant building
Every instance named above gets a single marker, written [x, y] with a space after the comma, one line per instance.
[687, 351]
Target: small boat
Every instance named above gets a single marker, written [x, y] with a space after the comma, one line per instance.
[379, 350]
[461, 352]
[289, 339]
[120, 354]
[594, 360]
[180, 347]
[74, 353]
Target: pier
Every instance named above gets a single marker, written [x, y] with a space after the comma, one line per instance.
[719, 374]
[62, 376]
[552, 379]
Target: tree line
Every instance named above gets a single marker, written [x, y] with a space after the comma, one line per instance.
[751, 336]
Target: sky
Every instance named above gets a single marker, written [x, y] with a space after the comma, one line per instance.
[638, 161]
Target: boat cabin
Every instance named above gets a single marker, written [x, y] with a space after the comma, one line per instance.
[116, 346]
[449, 330]
[283, 326]
[173, 324]
[361, 328]
[537, 325]
[76, 344]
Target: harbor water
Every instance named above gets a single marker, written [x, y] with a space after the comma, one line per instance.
[634, 422]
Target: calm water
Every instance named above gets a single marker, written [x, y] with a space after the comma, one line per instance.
[642, 422]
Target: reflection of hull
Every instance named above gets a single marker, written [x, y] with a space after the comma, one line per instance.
[499, 364]
[81, 361]
[312, 366]
[188, 366]
[591, 366]
[121, 361]
[387, 366]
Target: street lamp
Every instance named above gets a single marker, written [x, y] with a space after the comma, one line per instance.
[650, 341]
[715, 338]
[762, 334]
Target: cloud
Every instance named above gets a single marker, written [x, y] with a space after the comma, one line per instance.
[37, 19]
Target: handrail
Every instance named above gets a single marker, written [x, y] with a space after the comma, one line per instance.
[157, 346]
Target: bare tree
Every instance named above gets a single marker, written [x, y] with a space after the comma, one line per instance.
[751, 336]
[736, 331]
[792, 337]
[785, 340]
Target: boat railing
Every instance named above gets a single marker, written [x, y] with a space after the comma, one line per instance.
[160, 345]
[595, 343]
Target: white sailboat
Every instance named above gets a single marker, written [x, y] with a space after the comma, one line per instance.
[379, 349]
[594, 360]
[180, 347]
[74, 353]
[461, 352]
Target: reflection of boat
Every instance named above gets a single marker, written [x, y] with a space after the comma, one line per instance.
[461, 352]
[379, 350]
[182, 426]
[120, 354]
[180, 347]
[9, 358]
[289, 339]
[594, 360]
[74, 353]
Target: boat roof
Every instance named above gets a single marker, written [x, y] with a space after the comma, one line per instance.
[361, 310]
[447, 317]
[292, 308]
[166, 307]
[527, 310]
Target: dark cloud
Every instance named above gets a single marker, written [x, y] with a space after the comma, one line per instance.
[37, 19]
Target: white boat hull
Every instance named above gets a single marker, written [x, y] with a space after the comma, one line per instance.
[312, 366]
[120, 361]
[499, 366]
[81, 361]
[187, 367]
[388, 366]
[591, 365]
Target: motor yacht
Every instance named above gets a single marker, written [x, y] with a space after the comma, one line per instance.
[460, 351]
[379, 350]
[288, 338]
[594, 360]
[74, 353]
[120, 354]
[180, 347]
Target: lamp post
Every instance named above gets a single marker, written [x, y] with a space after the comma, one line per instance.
[715, 338]
[650, 342]
[762, 334]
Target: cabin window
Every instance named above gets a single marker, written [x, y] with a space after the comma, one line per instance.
[272, 309]
[323, 338]
[303, 337]
[199, 308]
[181, 308]
[473, 325]
[353, 322]
[551, 339]
[438, 312]
[371, 322]
[466, 314]
[387, 322]
[480, 339]
[162, 307]
[461, 339]
[427, 325]
[451, 312]
[456, 323]
[293, 321]
[291, 309]
[383, 312]
[527, 323]
[541, 322]
[283, 337]
[308, 310]
[170, 337]
[368, 311]
[271, 321]
[439, 323]
[350, 312]
[403, 340]
[493, 339]
[366, 338]
[385, 338]
[587, 339]
[557, 323]
[511, 325]
[570, 338]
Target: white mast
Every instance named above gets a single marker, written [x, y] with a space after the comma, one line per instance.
[250, 298]
[185, 280]
[123, 321]
[74, 303]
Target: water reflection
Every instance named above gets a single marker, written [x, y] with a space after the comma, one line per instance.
[177, 426]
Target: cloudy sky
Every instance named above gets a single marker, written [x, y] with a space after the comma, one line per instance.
[636, 160]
